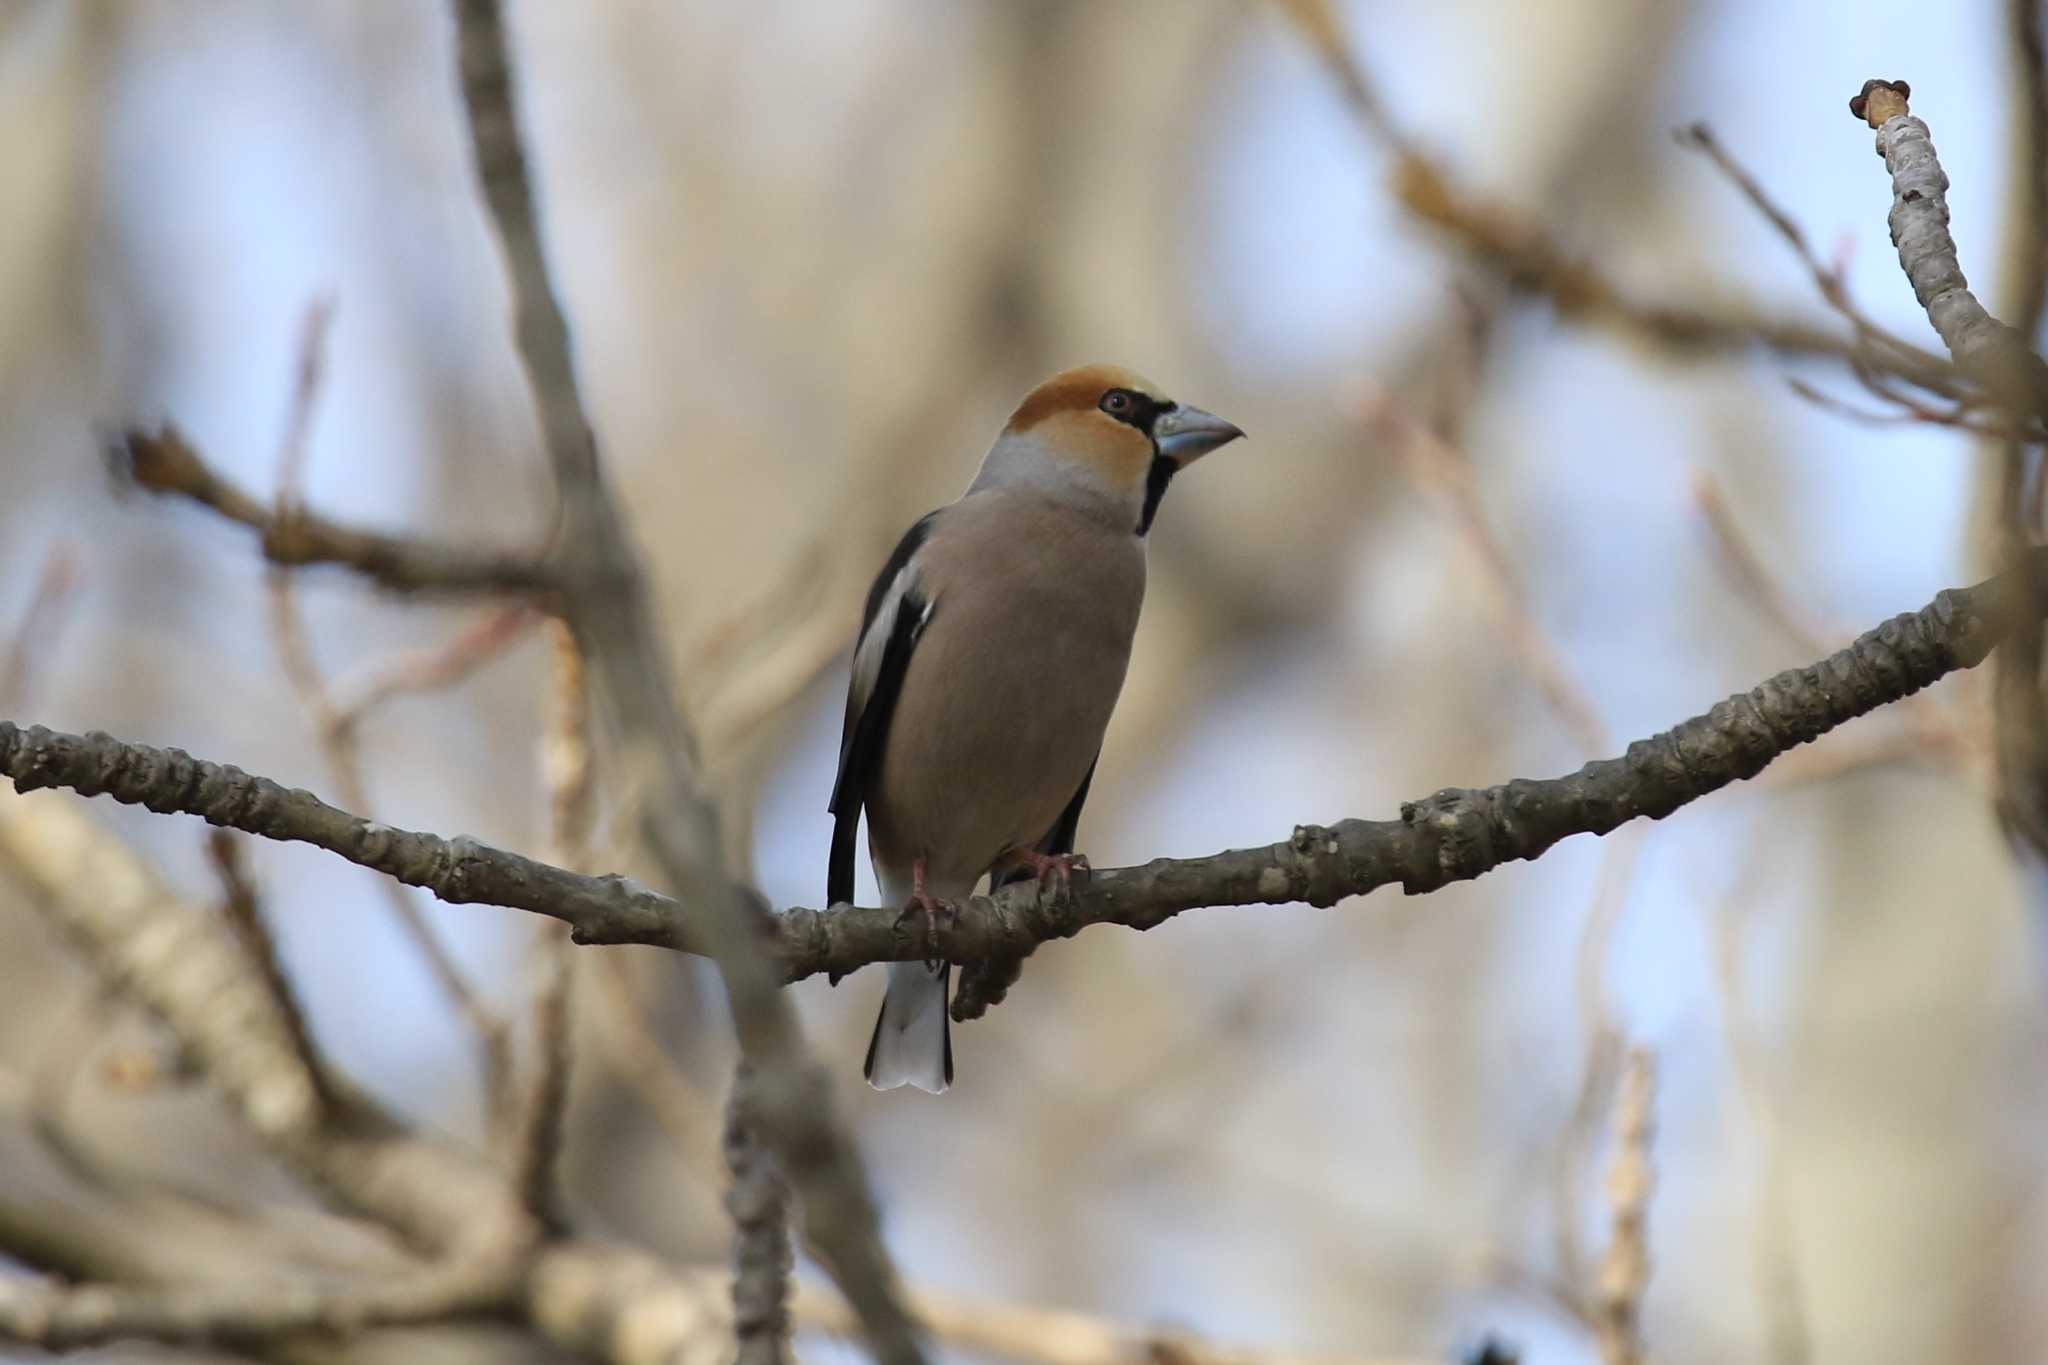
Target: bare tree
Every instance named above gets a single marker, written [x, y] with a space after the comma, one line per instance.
[326, 1222]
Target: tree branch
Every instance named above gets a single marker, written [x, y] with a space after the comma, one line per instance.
[242, 908]
[1985, 349]
[1625, 1268]
[1533, 260]
[2003, 360]
[340, 745]
[602, 1301]
[183, 964]
[607, 603]
[1454, 835]
[1829, 279]
[539, 1127]
[758, 1200]
[164, 462]
[986, 1327]
[59, 1317]
[2019, 706]
[461, 870]
[34, 636]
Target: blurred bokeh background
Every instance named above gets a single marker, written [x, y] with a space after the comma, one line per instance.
[812, 254]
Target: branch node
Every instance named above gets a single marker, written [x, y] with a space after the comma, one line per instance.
[1880, 101]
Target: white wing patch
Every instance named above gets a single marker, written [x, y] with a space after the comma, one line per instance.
[867, 656]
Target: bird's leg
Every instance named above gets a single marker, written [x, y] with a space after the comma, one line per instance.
[937, 909]
[1057, 868]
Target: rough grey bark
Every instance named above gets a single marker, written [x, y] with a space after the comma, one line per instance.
[1984, 348]
[1999, 357]
[1454, 835]
[758, 1200]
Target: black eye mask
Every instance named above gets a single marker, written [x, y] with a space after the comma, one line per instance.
[1133, 408]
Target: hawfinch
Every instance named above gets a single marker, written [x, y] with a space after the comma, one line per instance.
[990, 655]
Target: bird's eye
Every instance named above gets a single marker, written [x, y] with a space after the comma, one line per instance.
[1116, 401]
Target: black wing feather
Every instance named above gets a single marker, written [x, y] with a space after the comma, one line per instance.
[1060, 838]
[919, 532]
[867, 724]
[861, 752]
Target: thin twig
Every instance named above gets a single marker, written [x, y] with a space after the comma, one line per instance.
[1934, 751]
[1444, 470]
[568, 767]
[1529, 258]
[538, 1128]
[64, 1317]
[1929, 727]
[538, 1123]
[1830, 279]
[164, 462]
[242, 907]
[489, 634]
[1446, 474]
[344, 764]
[1578, 1143]
[1752, 574]
[758, 1200]
[336, 734]
[1320, 22]
[35, 637]
[1911, 412]
[1985, 349]
[305, 396]
[1625, 1269]
[1777, 1267]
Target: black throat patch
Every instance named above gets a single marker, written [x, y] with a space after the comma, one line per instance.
[1156, 478]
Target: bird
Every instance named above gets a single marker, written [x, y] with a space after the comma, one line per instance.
[992, 647]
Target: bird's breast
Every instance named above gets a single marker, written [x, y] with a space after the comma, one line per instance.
[1004, 706]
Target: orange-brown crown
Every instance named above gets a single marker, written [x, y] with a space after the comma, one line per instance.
[1066, 413]
[1080, 389]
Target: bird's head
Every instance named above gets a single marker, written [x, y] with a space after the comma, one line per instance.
[1104, 438]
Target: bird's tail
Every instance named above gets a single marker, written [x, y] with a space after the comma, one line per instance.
[913, 1042]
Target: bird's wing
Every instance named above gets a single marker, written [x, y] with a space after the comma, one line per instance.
[1060, 838]
[898, 607]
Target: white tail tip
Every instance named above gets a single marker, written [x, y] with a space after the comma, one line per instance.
[913, 1042]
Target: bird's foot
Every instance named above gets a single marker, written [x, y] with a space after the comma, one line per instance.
[1057, 869]
[938, 911]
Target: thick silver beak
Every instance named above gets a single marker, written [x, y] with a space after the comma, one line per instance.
[1186, 434]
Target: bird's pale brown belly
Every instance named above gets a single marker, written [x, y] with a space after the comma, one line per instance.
[996, 736]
